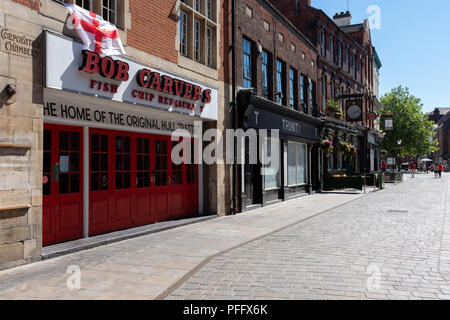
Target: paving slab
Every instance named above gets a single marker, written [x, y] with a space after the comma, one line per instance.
[147, 267]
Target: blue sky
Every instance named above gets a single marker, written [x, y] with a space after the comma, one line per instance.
[413, 44]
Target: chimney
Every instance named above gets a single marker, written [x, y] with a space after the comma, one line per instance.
[302, 3]
[343, 19]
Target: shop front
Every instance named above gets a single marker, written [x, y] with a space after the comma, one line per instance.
[294, 149]
[108, 125]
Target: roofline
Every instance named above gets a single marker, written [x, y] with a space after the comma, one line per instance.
[303, 38]
[377, 58]
[346, 34]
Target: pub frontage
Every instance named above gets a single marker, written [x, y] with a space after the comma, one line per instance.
[297, 145]
[107, 142]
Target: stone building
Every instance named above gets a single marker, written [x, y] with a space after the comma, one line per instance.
[86, 151]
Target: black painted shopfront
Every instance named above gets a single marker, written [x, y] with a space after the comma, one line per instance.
[297, 151]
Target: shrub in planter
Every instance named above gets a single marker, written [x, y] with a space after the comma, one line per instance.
[332, 109]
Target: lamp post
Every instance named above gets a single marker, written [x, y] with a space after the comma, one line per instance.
[399, 142]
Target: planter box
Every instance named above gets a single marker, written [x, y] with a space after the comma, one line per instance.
[336, 183]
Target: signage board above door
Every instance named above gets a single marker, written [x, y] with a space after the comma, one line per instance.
[70, 68]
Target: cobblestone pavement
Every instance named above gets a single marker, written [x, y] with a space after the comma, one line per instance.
[393, 244]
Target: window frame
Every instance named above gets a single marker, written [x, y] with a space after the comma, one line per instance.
[247, 51]
[280, 77]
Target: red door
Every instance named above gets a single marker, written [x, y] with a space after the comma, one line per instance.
[62, 184]
[111, 176]
[161, 178]
[143, 193]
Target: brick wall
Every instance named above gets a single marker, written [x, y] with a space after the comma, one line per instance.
[153, 30]
[253, 30]
[32, 4]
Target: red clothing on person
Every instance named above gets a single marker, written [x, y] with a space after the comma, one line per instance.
[383, 165]
[412, 166]
[440, 167]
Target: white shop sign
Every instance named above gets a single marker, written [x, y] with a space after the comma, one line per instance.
[63, 61]
[76, 109]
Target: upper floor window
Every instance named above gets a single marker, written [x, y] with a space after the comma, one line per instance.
[292, 88]
[247, 64]
[198, 31]
[360, 69]
[197, 53]
[304, 93]
[280, 82]
[183, 33]
[209, 9]
[85, 4]
[312, 96]
[347, 62]
[331, 50]
[265, 71]
[339, 54]
[198, 5]
[324, 92]
[353, 67]
[322, 42]
[109, 9]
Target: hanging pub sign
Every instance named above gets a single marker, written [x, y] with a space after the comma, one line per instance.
[70, 68]
[354, 110]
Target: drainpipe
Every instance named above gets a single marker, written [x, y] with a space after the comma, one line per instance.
[233, 102]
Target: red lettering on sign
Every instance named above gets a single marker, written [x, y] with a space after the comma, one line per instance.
[122, 71]
[168, 85]
[90, 62]
[155, 83]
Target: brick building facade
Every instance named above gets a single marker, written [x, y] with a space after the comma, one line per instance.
[346, 75]
[55, 181]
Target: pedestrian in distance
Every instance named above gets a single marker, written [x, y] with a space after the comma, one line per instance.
[436, 170]
[440, 169]
[383, 166]
[412, 169]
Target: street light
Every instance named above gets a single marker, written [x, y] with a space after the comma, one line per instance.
[399, 142]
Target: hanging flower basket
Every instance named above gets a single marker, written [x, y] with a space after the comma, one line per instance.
[327, 147]
[332, 109]
[347, 149]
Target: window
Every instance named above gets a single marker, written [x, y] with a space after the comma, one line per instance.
[312, 96]
[332, 90]
[266, 25]
[198, 31]
[265, 74]
[280, 82]
[272, 175]
[123, 165]
[281, 37]
[347, 65]
[249, 11]
[322, 42]
[360, 70]
[331, 50]
[297, 164]
[209, 9]
[85, 4]
[292, 89]
[324, 92]
[339, 55]
[109, 8]
[353, 67]
[143, 163]
[198, 5]
[183, 33]
[197, 40]
[209, 44]
[304, 93]
[247, 63]
[293, 48]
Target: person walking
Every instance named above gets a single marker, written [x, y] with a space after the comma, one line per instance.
[412, 169]
[383, 166]
[436, 170]
[440, 169]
